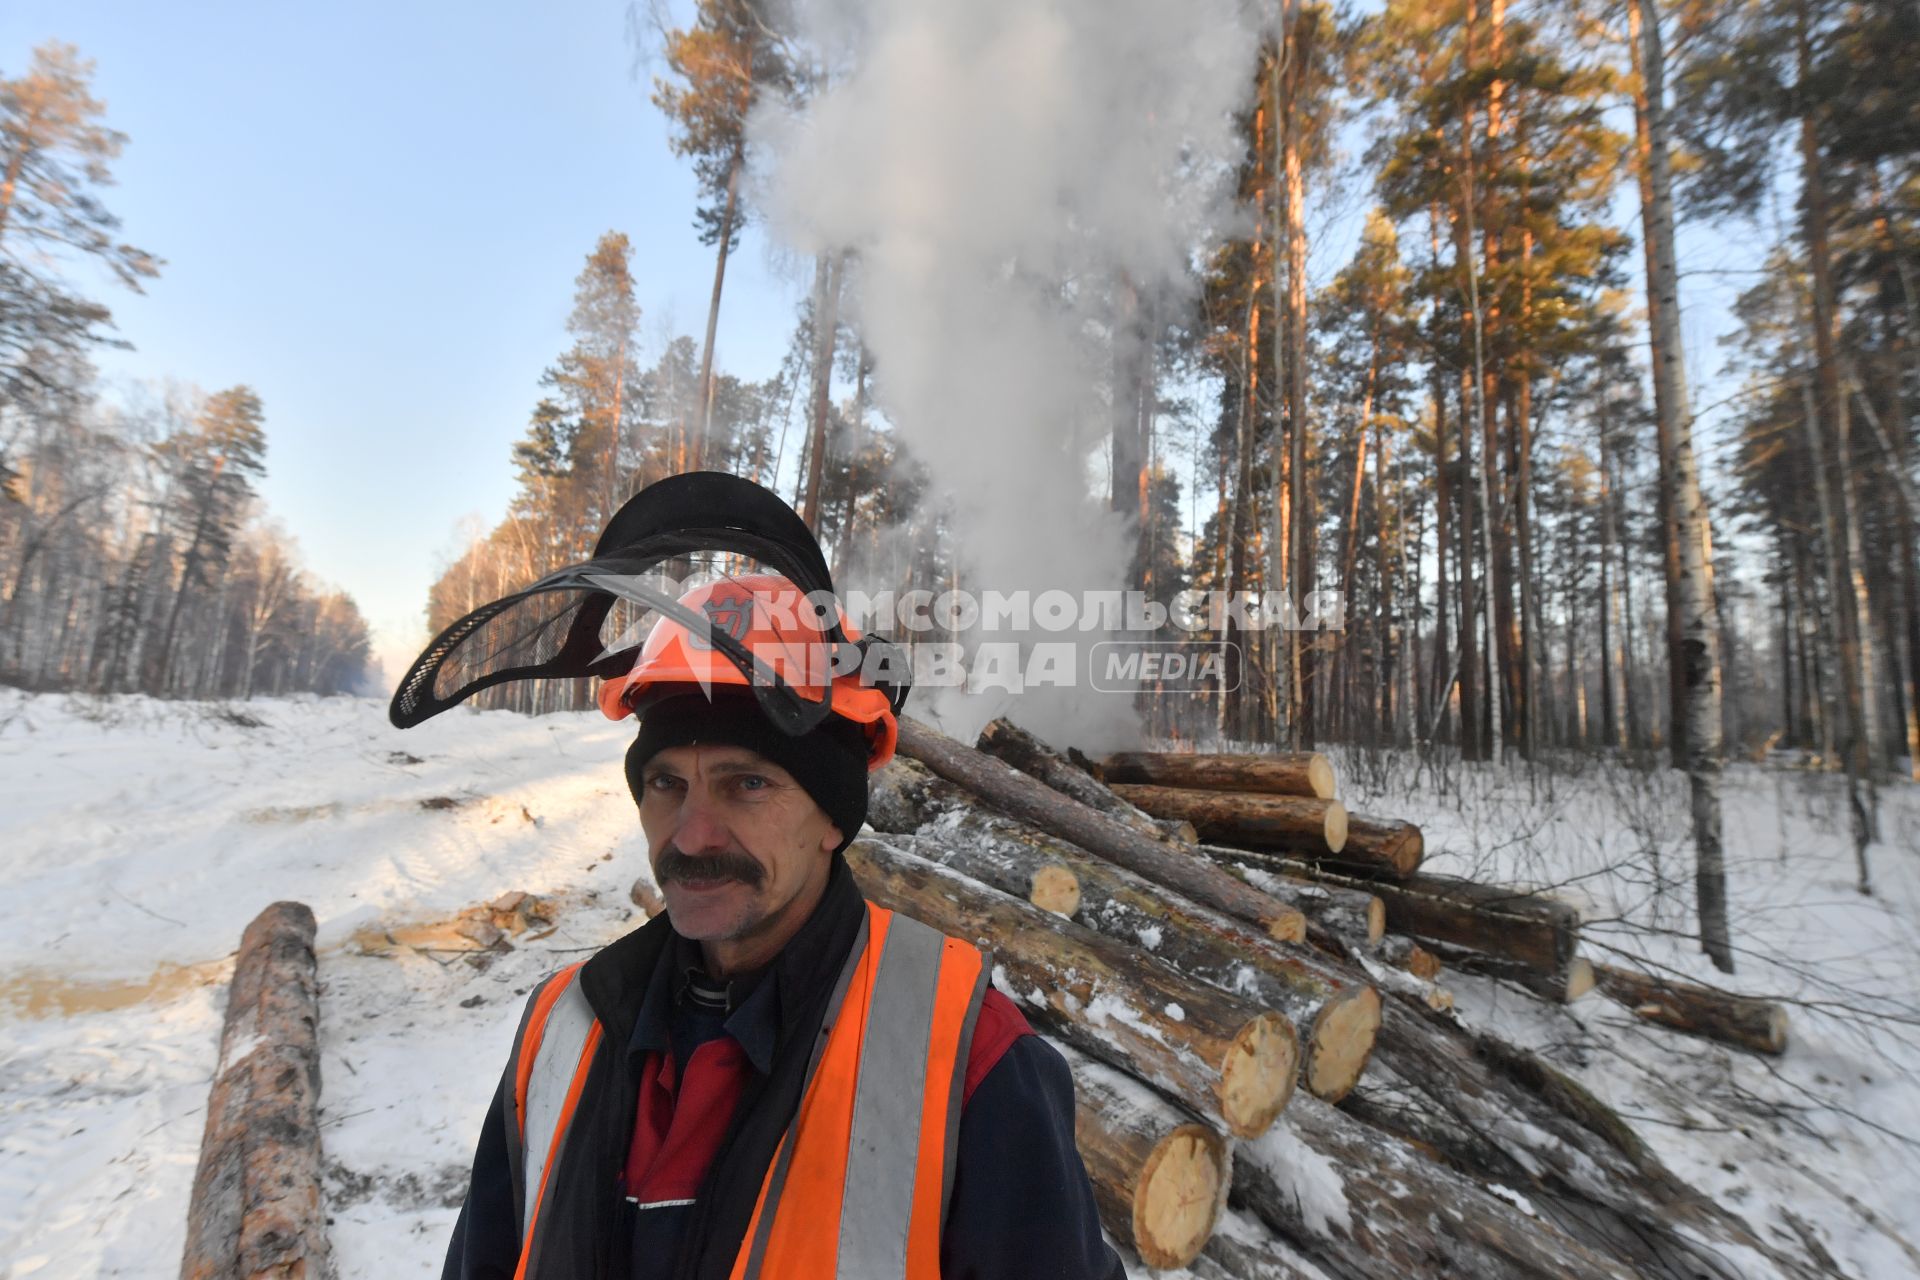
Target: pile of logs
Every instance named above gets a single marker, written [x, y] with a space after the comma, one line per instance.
[1246, 981]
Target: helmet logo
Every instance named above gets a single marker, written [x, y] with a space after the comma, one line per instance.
[731, 616]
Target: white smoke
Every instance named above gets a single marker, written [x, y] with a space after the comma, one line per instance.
[996, 165]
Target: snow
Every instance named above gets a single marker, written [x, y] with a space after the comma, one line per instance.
[1310, 1178]
[138, 838]
[1825, 1139]
[1514, 1198]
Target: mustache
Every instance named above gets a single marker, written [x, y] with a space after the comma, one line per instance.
[675, 865]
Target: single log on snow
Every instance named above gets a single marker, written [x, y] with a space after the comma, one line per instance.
[1215, 1052]
[1005, 740]
[1745, 1022]
[256, 1209]
[1334, 1012]
[1362, 1203]
[1159, 1175]
[1304, 773]
[1018, 796]
[1318, 828]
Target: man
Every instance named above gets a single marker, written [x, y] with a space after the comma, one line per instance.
[773, 1078]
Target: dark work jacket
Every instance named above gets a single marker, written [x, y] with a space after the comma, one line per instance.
[1021, 1206]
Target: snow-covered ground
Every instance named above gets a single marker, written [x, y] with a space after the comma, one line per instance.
[138, 838]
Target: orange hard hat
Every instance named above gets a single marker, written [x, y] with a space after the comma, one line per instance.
[780, 625]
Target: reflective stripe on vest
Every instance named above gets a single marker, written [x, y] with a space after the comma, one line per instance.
[860, 1183]
[550, 1069]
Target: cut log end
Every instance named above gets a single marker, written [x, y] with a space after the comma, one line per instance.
[1178, 1197]
[1256, 1081]
[1320, 776]
[1422, 963]
[1580, 979]
[1336, 826]
[1376, 920]
[1056, 889]
[1287, 925]
[1342, 1041]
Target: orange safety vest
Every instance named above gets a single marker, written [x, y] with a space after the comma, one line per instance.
[859, 1185]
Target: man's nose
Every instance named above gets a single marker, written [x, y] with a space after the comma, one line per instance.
[700, 828]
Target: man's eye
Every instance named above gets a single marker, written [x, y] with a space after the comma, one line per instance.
[662, 782]
[752, 782]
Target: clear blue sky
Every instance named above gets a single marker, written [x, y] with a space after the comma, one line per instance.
[373, 214]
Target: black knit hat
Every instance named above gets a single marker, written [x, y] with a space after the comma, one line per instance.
[829, 763]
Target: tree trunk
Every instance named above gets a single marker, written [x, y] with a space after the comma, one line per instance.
[1021, 797]
[1306, 773]
[1697, 732]
[1502, 1115]
[728, 213]
[1531, 929]
[1215, 1053]
[1362, 1204]
[1234, 693]
[1007, 741]
[1319, 827]
[1297, 36]
[1442, 528]
[1159, 1176]
[1405, 953]
[826, 321]
[1827, 408]
[1339, 921]
[1571, 982]
[1613, 680]
[1128, 447]
[1384, 630]
[1238, 1250]
[1333, 1011]
[1759, 1026]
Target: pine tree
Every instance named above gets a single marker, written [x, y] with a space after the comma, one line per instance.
[720, 68]
[55, 155]
[211, 471]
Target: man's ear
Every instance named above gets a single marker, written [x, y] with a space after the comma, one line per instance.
[831, 840]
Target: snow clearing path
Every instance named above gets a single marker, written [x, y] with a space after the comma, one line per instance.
[138, 838]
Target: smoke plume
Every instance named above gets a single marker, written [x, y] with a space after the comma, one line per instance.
[995, 166]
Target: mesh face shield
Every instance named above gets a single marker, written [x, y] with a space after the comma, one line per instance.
[571, 623]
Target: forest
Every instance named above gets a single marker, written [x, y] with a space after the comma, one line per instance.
[137, 554]
[1476, 423]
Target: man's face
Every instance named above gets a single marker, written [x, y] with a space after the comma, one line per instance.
[738, 847]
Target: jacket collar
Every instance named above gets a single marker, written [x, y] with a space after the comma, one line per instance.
[753, 1020]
